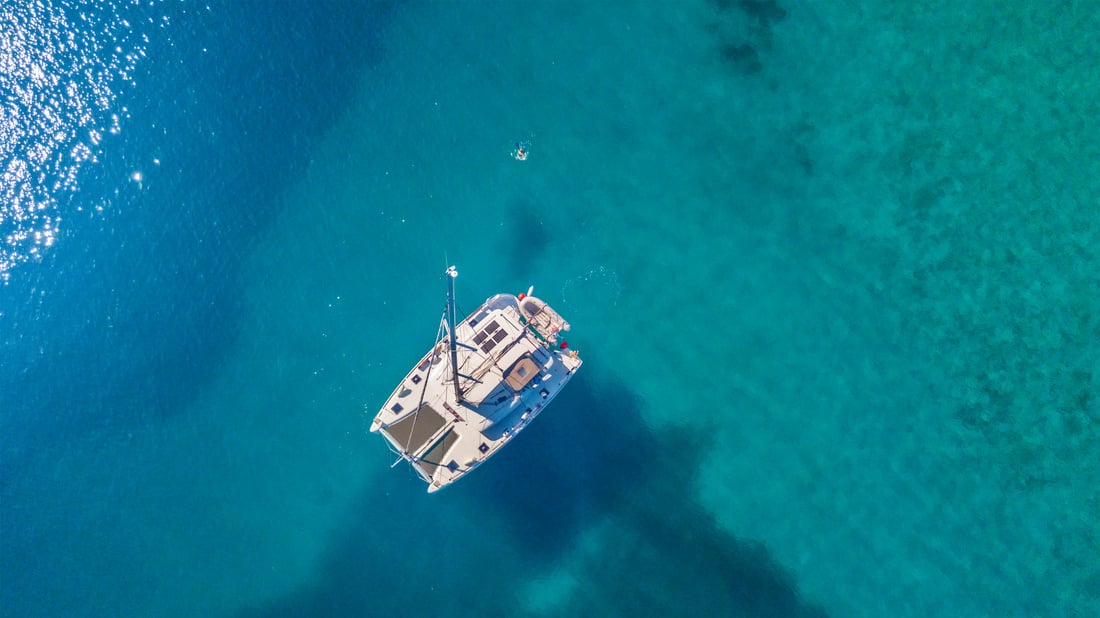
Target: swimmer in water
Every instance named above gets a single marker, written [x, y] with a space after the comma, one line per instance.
[520, 153]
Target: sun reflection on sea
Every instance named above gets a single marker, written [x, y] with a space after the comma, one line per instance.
[62, 63]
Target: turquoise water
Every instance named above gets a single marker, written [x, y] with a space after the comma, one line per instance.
[834, 271]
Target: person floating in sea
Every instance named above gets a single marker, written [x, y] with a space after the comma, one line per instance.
[520, 153]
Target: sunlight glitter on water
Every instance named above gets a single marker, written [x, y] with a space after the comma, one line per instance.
[62, 63]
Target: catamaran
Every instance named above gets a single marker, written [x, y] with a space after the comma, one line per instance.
[485, 379]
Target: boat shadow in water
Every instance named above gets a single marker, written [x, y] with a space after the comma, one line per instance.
[594, 462]
[589, 487]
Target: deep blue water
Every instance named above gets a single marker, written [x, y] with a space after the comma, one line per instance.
[129, 316]
[226, 106]
[834, 271]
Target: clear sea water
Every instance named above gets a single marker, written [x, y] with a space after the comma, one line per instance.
[834, 269]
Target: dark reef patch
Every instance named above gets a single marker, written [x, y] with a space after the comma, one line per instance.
[745, 31]
[743, 57]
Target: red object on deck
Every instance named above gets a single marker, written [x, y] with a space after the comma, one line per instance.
[522, 296]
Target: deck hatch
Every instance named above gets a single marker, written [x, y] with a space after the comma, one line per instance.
[521, 373]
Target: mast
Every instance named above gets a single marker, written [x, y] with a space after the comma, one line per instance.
[451, 274]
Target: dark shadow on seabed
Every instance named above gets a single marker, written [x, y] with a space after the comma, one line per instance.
[590, 461]
[528, 235]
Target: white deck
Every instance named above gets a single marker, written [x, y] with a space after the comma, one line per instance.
[510, 369]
